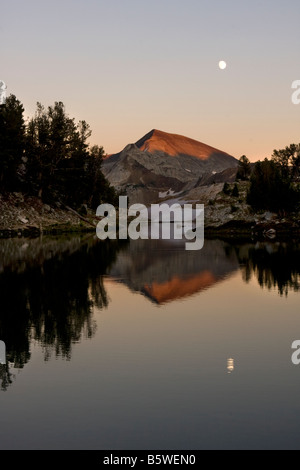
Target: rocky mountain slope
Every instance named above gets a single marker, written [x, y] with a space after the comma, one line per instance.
[162, 163]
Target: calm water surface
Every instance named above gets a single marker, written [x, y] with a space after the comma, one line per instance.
[144, 345]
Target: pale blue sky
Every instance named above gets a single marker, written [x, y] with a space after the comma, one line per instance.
[129, 66]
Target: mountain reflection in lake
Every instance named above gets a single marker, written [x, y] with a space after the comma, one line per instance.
[53, 289]
[165, 274]
[49, 288]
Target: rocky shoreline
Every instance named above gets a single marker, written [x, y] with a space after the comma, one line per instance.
[24, 216]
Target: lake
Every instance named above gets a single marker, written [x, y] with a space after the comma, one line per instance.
[143, 345]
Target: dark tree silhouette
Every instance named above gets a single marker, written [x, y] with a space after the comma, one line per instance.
[12, 132]
[288, 160]
[244, 168]
[50, 157]
[235, 191]
[271, 188]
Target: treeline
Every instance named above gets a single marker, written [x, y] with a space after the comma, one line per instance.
[49, 157]
[274, 183]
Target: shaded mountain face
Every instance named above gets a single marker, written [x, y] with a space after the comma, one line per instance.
[162, 163]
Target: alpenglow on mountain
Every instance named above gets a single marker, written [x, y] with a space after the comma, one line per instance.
[161, 164]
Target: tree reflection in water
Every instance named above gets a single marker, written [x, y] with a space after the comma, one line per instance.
[275, 265]
[51, 301]
[48, 289]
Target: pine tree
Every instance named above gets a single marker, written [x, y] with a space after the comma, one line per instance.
[244, 168]
[12, 131]
[226, 189]
[270, 190]
[235, 191]
[59, 162]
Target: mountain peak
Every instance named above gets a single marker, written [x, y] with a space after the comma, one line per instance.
[157, 141]
[164, 163]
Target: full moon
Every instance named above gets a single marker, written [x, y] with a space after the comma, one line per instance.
[222, 65]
